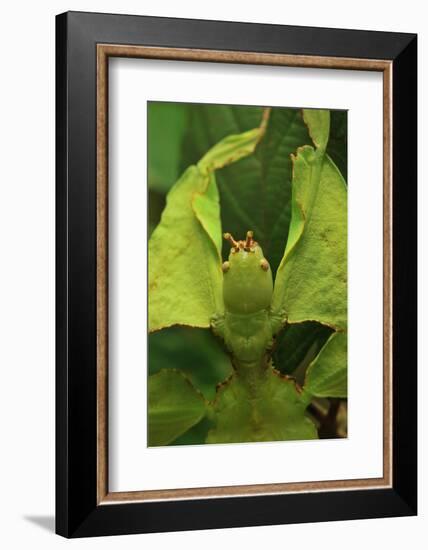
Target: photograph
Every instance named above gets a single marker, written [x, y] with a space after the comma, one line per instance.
[235, 334]
[212, 275]
[247, 273]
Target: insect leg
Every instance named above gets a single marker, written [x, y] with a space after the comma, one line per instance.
[217, 323]
[278, 320]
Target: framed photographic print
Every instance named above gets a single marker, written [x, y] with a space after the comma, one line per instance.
[236, 274]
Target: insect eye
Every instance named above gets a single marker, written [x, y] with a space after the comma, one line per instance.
[264, 264]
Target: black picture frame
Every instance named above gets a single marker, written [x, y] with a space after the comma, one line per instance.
[78, 513]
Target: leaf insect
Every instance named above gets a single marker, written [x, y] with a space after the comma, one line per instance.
[247, 325]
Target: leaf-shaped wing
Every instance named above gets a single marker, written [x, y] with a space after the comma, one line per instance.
[174, 406]
[185, 279]
[278, 413]
[311, 282]
[327, 374]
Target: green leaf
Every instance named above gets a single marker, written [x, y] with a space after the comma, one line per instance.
[297, 345]
[318, 123]
[276, 414]
[311, 282]
[327, 374]
[285, 133]
[230, 149]
[197, 435]
[166, 125]
[174, 406]
[255, 194]
[195, 352]
[207, 124]
[337, 148]
[185, 278]
[157, 204]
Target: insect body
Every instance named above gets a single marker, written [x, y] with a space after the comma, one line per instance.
[246, 326]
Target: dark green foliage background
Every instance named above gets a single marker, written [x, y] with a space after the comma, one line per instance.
[255, 194]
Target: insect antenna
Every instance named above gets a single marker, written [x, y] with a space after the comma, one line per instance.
[249, 240]
[232, 241]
